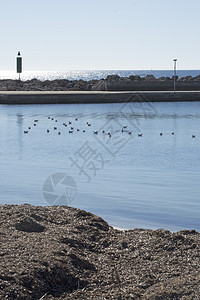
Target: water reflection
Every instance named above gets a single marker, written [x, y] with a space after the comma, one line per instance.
[19, 121]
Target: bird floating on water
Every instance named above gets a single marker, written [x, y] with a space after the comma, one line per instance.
[140, 134]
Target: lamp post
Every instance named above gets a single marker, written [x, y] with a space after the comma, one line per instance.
[19, 64]
[175, 60]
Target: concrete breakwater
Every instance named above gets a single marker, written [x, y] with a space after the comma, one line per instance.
[71, 97]
[112, 89]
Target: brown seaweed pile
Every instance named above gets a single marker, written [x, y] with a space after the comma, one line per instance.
[67, 253]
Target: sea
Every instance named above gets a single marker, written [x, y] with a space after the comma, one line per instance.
[92, 74]
[90, 156]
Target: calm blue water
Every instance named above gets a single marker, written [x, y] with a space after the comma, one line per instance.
[92, 74]
[150, 181]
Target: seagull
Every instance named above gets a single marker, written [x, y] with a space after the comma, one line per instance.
[125, 126]
[70, 131]
[25, 131]
[52, 119]
[193, 136]
[95, 131]
[83, 130]
[140, 134]
[36, 121]
[172, 133]
[130, 132]
[70, 122]
[56, 120]
[72, 128]
[78, 129]
[55, 128]
[103, 131]
[49, 118]
[76, 119]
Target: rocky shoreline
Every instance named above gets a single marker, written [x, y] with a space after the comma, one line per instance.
[67, 253]
[110, 83]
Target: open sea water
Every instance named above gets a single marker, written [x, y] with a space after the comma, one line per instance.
[151, 181]
[92, 74]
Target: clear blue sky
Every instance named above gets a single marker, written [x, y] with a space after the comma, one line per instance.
[100, 34]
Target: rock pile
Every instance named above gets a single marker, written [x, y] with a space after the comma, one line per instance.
[110, 83]
[67, 253]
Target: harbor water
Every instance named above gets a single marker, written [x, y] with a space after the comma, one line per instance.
[146, 181]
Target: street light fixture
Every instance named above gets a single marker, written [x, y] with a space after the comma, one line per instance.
[175, 60]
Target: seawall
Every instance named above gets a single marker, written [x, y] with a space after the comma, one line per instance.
[76, 97]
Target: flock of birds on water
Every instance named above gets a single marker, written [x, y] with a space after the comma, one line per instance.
[72, 128]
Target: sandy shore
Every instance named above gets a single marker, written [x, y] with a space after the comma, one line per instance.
[67, 253]
[71, 97]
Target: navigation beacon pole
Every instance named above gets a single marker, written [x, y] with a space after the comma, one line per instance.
[19, 64]
[175, 60]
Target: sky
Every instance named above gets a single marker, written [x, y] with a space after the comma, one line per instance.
[59, 35]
